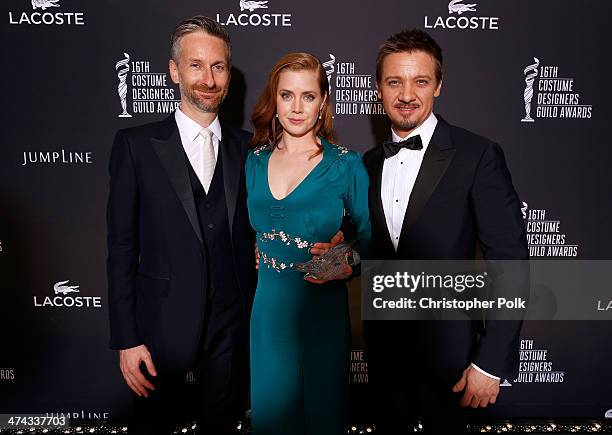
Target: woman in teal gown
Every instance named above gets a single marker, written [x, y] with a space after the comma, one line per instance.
[300, 330]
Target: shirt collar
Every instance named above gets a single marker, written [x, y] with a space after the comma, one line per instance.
[425, 130]
[190, 129]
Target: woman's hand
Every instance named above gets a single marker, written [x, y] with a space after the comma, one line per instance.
[347, 271]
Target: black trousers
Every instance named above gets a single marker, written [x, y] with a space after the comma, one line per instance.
[217, 396]
[411, 370]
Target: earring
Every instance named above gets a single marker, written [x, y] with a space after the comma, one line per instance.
[320, 116]
[277, 115]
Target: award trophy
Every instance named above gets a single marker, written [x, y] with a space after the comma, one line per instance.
[524, 208]
[329, 67]
[330, 264]
[528, 94]
[124, 64]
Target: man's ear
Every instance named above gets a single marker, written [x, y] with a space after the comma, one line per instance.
[378, 93]
[173, 67]
[438, 89]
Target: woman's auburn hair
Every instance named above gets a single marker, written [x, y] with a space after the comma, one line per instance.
[268, 129]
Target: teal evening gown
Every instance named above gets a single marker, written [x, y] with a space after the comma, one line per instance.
[300, 332]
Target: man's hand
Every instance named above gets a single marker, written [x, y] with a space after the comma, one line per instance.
[129, 362]
[478, 389]
[321, 248]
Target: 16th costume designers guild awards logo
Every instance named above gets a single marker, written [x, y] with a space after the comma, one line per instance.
[555, 97]
[536, 366]
[352, 93]
[457, 20]
[250, 16]
[545, 237]
[147, 91]
[40, 16]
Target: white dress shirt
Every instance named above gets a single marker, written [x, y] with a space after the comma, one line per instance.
[398, 177]
[189, 131]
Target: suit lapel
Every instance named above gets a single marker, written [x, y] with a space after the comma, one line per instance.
[169, 149]
[231, 157]
[378, 212]
[436, 160]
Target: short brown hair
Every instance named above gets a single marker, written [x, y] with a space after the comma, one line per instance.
[267, 127]
[198, 23]
[408, 41]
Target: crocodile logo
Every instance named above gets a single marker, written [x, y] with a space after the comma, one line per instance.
[455, 6]
[251, 5]
[62, 288]
[44, 4]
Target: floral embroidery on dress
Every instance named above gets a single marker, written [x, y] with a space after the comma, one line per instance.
[260, 148]
[274, 263]
[287, 239]
[341, 149]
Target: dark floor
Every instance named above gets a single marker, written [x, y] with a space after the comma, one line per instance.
[532, 427]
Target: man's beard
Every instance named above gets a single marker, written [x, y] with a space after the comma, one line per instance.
[403, 124]
[204, 105]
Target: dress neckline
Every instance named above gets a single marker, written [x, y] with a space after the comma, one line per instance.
[306, 177]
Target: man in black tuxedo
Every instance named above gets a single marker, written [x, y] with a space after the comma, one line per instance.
[181, 267]
[437, 192]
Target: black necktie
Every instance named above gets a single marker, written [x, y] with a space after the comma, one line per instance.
[392, 148]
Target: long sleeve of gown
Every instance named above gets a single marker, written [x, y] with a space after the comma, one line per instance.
[356, 204]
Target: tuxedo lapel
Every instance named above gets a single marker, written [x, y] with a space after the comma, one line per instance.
[375, 168]
[169, 149]
[230, 151]
[436, 160]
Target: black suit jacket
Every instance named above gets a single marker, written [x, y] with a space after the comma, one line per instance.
[463, 198]
[157, 274]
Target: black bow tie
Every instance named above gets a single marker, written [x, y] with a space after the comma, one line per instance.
[392, 148]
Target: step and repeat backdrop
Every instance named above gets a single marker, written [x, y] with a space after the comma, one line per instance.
[533, 76]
